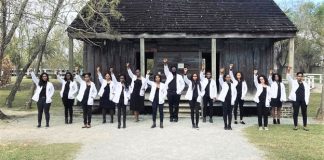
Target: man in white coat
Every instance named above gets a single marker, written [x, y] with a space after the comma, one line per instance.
[175, 85]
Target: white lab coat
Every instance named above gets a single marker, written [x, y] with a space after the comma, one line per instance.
[73, 88]
[295, 85]
[274, 90]
[225, 88]
[118, 87]
[162, 91]
[169, 77]
[212, 85]
[83, 87]
[189, 93]
[134, 78]
[260, 90]
[49, 89]
[104, 83]
[244, 86]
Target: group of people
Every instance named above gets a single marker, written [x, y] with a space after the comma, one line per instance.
[201, 93]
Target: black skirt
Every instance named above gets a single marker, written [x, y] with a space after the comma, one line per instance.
[104, 100]
[275, 102]
[136, 102]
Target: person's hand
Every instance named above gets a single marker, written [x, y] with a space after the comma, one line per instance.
[288, 69]
[270, 71]
[222, 70]
[203, 67]
[165, 61]
[111, 69]
[148, 72]
[185, 70]
[255, 72]
[98, 69]
[231, 66]
[127, 65]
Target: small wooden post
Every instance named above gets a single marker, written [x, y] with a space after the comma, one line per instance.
[71, 64]
[213, 56]
[142, 56]
[291, 58]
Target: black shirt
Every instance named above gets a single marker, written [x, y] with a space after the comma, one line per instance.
[173, 84]
[300, 92]
[239, 89]
[156, 95]
[195, 90]
[43, 91]
[228, 97]
[66, 90]
[279, 91]
[86, 95]
[121, 99]
[263, 95]
[207, 88]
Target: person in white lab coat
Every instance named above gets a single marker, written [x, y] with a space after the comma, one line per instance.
[157, 97]
[86, 96]
[210, 88]
[299, 94]
[43, 96]
[68, 93]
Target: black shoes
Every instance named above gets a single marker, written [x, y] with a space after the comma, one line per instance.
[211, 120]
[66, 121]
[104, 121]
[204, 119]
[154, 125]
[278, 121]
[274, 121]
[171, 119]
[242, 122]
[175, 120]
[39, 126]
[47, 125]
[161, 124]
[235, 122]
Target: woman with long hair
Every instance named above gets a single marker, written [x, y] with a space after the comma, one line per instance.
[278, 95]
[106, 95]
[86, 96]
[137, 90]
[121, 97]
[157, 97]
[262, 98]
[43, 96]
[194, 95]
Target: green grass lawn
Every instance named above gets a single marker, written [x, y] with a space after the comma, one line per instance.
[33, 151]
[281, 142]
[314, 103]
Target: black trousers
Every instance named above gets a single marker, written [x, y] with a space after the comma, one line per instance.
[42, 106]
[208, 107]
[194, 111]
[155, 107]
[173, 99]
[263, 112]
[121, 109]
[238, 103]
[227, 113]
[68, 110]
[104, 113]
[87, 114]
[303, 106]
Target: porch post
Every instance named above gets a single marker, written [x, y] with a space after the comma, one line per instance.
[142, 56]
[291, 57]
[71, 67]
[213, 57]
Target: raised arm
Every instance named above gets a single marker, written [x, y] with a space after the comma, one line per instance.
[100, 77]
[147, 78]
[78, 78]
[113, 77]
[255, 78]
[202, 73]
[289, 77]
[221, 75]
[185, 77]
[129, 71]
[58, 76]
[166, 68]
[34, 78]
[270, 77]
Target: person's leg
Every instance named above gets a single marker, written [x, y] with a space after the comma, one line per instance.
[104, 112]
[273, 113]
[66, 106]
[211, 111]
[40, 112]
[119, 114]
[89, 114]
[278, 114]
[71, 101]
[84, 108]
[304, 113]
[192, 112]
[265, 115]
[124, 115]
[229, 114]
[259, 108]
[171, 103]
[205, 106]
[161, 114]
[241, 103]
[111, 112]
[176, 106]
[296, 105]
[225, 115]
[236, 105]
[47, 114]
[197, 116]
[154, 112]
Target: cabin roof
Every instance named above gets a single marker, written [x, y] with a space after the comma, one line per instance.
[194, 17]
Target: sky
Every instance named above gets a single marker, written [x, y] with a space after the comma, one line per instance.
[285, 4]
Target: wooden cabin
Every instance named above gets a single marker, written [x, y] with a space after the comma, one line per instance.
[188, 33]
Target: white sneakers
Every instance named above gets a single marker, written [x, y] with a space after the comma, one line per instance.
[265, 128]
[260, 128]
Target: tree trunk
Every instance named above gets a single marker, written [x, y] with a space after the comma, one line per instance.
[32, 88]
[34, 54]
